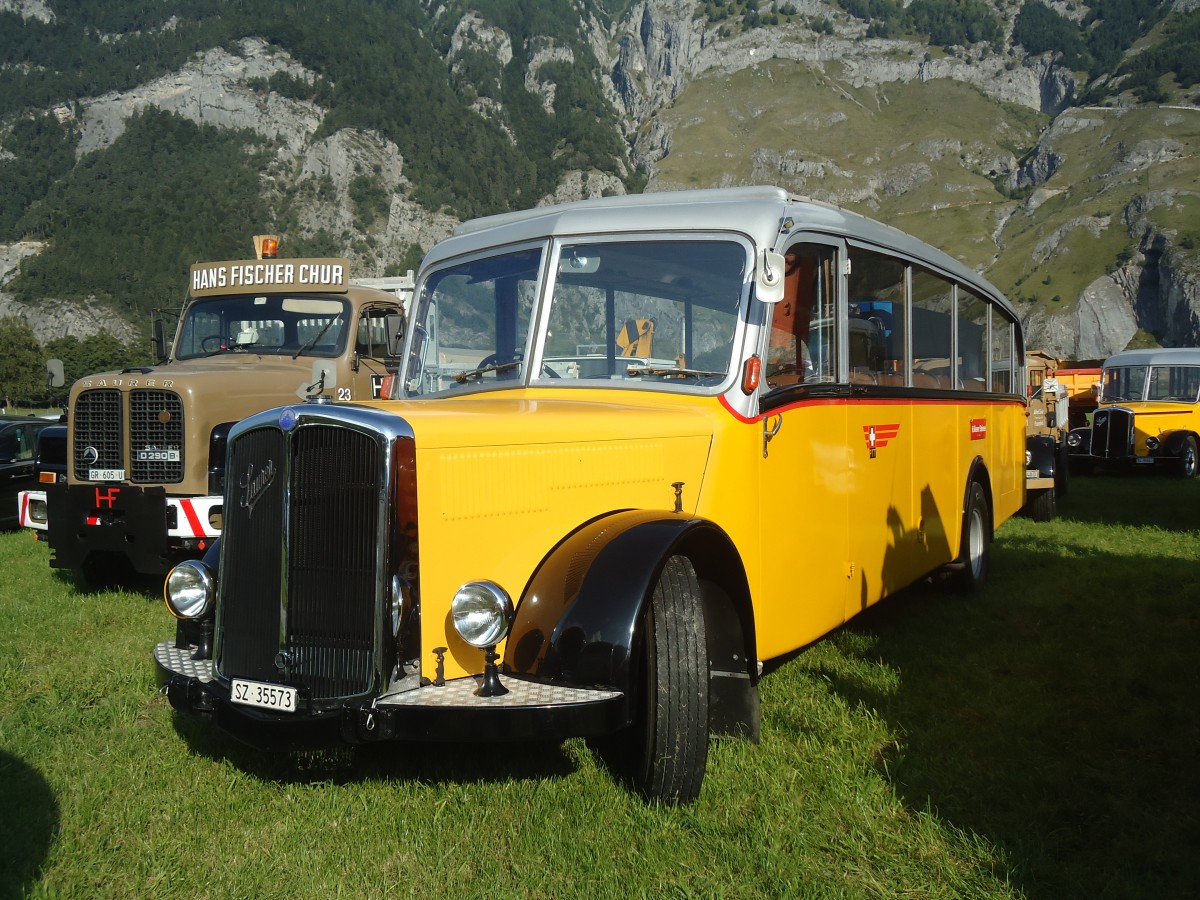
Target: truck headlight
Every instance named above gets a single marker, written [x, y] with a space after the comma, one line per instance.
[189, 590]
[1151, 443]
[1074, 440]
[482, 613]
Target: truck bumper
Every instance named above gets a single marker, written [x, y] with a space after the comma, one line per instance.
[152, 530]
[531, 710]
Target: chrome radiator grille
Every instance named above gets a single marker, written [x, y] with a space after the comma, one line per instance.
[99, 425]
[299, 559]
[1112, 433]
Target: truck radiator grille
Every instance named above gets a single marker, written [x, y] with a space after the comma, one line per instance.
[155, 437]
[1112, 433]
[298, 573]
[98, 428]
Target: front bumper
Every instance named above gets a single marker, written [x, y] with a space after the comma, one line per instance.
[531, 710]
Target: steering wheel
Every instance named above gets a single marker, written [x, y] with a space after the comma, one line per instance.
[217, 342]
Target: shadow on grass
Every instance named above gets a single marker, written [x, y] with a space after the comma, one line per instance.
[1133, 497]
[1054, 714]
[101, 580]
[29, 821]
[426, 762]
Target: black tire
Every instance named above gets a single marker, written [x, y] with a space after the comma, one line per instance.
[971, 565]
[671, 733]
[1188, 459]
[1042, 505]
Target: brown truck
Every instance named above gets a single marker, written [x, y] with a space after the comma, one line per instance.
[145, 467]
[1046, 426]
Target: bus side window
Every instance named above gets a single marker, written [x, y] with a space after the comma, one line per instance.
[972, 341]
[932, 307]
[1003, 356]
[877, 318]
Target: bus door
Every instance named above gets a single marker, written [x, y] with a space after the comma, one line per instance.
[880, 433]
[804, 482]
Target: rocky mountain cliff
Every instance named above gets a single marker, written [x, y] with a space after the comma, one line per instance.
[1086, 217]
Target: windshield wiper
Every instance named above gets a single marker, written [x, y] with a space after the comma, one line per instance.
[462, 377]
[638, 369]
[308, 345]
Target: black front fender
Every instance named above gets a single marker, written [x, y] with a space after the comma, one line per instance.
[577, 622]
[1042, 454]
[1079, 441]
[1175, 443]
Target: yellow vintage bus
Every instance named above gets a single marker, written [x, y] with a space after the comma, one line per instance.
[639, 446]
[1148, 414]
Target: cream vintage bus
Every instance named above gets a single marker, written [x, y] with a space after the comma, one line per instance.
[639, 446]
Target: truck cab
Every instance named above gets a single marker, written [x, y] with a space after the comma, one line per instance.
[145, 464]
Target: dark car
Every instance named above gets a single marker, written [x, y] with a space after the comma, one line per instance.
[18, 451]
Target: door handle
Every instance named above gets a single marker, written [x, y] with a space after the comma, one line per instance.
[769, 432]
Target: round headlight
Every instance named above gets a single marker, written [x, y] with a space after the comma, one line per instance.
[482, 612]
[1151, 443]
[1028, 458]
[189, 590]
[1074, 440]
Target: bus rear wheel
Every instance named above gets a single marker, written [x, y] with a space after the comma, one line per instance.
[971, 566]
[671, 732]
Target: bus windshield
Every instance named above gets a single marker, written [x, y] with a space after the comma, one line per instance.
[630, 313]
[1123, 384]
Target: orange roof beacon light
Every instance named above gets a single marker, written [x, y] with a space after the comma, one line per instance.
[266, 246]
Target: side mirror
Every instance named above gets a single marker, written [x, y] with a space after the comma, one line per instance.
[394, 326]
[158, 337]
[54, 373]
[770, 276]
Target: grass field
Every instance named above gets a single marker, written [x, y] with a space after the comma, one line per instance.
[1039, 740]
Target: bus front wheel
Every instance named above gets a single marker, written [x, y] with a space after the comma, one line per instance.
[1186, 467]
[671, 731]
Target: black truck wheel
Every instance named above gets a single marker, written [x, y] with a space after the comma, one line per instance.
[1042, 505]
[671, 732]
